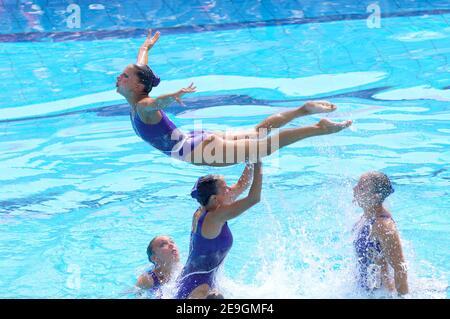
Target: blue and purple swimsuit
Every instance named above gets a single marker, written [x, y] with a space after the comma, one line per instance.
[205, 257]
[368, 251]
[166, 137]
[156, 289]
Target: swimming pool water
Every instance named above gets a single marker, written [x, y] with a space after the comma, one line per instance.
[81, 195]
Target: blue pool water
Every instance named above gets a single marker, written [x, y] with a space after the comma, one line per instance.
[81, 195]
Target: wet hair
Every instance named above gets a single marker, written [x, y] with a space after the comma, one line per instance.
[381, 185]
[150, 250]
[204, 188]
[147, 77]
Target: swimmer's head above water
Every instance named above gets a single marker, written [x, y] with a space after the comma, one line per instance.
[136, 79]
[372, 189]
[163, 251]
[211, 191]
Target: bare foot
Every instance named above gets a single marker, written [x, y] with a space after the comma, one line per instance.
[329, 127]
[313, 107]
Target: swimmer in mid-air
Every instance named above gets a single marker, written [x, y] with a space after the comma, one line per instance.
[211, 238]
[377, 243]
[163, 253]
[151, 123]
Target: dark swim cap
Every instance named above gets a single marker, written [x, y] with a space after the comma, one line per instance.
[147, 77]
[204, 188]
[381, 185]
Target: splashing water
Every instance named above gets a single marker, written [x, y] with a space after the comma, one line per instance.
[310, 255]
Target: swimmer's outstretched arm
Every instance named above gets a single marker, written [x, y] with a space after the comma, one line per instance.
[150, 104]
[146, 46]
[243, 183]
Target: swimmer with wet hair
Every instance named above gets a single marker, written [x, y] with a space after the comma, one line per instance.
[377, 243]
[163, 253]
[211, 238]
[151, 123]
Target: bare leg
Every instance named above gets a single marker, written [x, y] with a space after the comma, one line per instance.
[280, 119]
[216, 151]
[324, 127]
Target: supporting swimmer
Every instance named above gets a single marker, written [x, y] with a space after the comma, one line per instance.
[377, 244]
[163, 253]
[211, 238]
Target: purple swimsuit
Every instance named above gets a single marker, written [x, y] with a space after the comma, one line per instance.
[166, 137]
[367, 250]
[205, 257]
[156, 289]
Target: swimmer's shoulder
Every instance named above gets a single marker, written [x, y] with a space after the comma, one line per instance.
[146, 102]
[145, 281]
[147, 113]
[384, 226]
[195, 219]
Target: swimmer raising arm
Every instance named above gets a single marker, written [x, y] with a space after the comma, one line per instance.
[146, 46]
[242, 184]
[211, 237]
[149, 104]
[227, 212]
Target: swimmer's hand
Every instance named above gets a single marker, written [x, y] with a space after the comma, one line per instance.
[148, 44]
[165, 100]
[151, 40]
[190, 89]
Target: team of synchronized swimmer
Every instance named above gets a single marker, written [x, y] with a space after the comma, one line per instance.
[377, 244]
